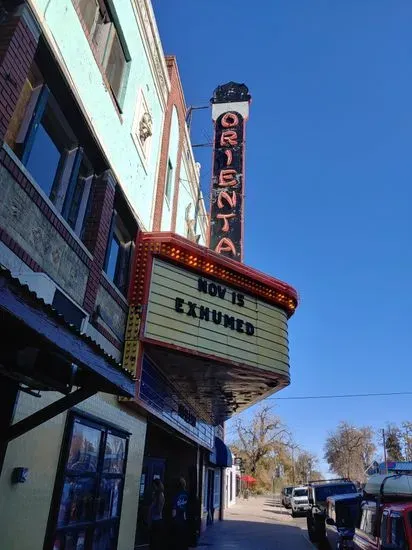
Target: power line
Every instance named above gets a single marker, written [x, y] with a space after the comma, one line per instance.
[341, 396]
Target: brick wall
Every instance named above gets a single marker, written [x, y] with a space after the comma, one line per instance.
[17, 48]
[176, 99]
[97, 233]
[19, 34]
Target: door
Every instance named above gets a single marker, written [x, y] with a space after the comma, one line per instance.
[153, 468]
[210, 495]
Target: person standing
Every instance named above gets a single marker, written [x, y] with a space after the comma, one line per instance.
[156, 516]
[179, 517]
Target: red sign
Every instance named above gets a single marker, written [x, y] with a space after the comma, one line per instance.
[226, 208]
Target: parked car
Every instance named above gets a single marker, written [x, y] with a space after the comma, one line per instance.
[286, 495]
[386, 514]
[318, 492]
[299, 501]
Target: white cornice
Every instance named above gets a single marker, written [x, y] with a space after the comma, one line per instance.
[147, 23]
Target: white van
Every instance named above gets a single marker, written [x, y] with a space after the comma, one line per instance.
[299, 500]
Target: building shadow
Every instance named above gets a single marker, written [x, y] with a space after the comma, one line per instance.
[249, 535]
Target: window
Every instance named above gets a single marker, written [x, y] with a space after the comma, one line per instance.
[42, 138]
[118, 254]
[89, 487]
[103, 28]
[169, 181]
[398, 537]
[368, 521]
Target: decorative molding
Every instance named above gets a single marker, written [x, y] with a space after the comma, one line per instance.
[232, 92]
[145, 17]
[145, 127]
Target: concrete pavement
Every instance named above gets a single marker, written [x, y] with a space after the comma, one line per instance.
[257, 524]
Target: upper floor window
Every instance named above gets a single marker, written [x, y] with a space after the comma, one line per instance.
[100, 22]
[169, 181]
[119, 251]
[43, 139]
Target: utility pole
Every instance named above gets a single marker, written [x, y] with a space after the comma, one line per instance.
[384, 451]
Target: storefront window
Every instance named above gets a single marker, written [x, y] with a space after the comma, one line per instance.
[89, 488]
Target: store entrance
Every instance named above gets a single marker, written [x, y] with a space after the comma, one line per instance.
[168, 457]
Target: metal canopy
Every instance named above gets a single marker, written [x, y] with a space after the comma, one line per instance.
[41, 350]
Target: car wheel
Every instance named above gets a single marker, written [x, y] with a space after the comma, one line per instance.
[311, 531]
[320, 530]
[293, 514]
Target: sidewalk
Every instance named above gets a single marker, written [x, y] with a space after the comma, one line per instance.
[256, 524]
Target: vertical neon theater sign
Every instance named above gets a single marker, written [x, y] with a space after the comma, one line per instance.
[230, 111]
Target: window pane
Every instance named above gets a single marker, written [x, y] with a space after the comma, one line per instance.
[71, 541]
[77, 500]
[115, 454]
[44, 159]
[105, 538]
[115, 66]
[88, 9]
[84, 448]
[169, 181]
[113, 258]
[109, 502]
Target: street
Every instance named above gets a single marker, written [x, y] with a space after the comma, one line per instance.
[258, 524]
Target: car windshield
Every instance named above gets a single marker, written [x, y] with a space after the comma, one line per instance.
[325, 491]
[300, 493]
[288, 490]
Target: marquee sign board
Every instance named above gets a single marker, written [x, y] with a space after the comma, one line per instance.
[230, 110]
[194, 313]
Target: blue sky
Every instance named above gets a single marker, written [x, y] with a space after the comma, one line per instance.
[328, 182]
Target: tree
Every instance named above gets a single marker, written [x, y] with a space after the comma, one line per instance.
[259, 439]
[349, 450]
[406, 436]
[394, 443]
[305, 465]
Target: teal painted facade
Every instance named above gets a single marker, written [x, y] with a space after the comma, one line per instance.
[147, 76]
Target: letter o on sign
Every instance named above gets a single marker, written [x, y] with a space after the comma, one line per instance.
[229, 120]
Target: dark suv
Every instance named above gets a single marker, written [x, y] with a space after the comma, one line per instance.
[318, 492]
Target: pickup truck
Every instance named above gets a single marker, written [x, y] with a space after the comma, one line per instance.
[318, 493]
[384, 527]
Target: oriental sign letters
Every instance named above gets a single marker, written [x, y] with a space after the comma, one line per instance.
[227, 187]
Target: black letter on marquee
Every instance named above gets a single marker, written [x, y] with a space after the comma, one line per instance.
[250, 329]
[217, 316]
[239, 325]
[178, 305]
[221, 291]
[204, 313]
[192, 309]
[240, 300]
[229, 322]
[212, 289]
[201, 285]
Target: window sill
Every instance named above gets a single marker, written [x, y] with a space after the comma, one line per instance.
[114, 287]
[33, 182]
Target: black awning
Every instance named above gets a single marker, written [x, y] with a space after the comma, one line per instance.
[27, 322]
[221, 455]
